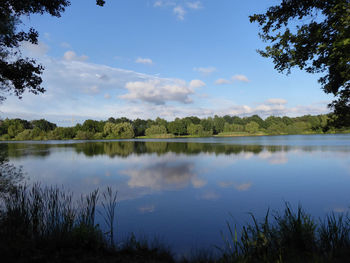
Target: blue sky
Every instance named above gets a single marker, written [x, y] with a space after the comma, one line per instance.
[167, 58]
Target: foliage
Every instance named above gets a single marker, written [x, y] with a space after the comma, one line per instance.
[195, 129]
[314, 36]
[122, 130]
[18, 129]
[177, 127]
[155, 130]
[48, 224]
[19, 74]
[43, 125]
[252, 127]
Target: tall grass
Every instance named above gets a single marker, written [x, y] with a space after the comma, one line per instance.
[290, 236]
[45, 224]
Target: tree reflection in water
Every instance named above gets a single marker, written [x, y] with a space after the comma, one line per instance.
[10, 175]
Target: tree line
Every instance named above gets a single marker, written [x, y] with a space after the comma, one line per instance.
[124, 128]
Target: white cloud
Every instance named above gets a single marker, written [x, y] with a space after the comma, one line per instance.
[159, 92]
[180, 12]
[144, 61]
[205, 71]
[222, 82]
[161, 175]
[72, 56]
[242, 78]
[82, 90]
[276, 101]
[179, 7]
[196, 83]
[35, 50]
[194, 5]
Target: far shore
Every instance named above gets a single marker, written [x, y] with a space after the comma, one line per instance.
[171, 136]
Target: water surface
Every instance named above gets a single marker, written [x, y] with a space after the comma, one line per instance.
[184, 190]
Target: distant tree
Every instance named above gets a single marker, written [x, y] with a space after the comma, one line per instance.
[228, 119]
[63, 133]
[155, 130]
[194, 119]
[237, 120]
[195, 129]
[299, 127]
[233, 128]
[177, 127]
[313, 35]
[252, 127]
[161, 122]
[277, 128]
[84, 135]
[219, 123]
[122, 119]
[257, 119]
[17, 73]
[140, 127]
[286, 120]
[92, 126]
[122, 130]
[207, 124]
[43, 125]
[16, 126]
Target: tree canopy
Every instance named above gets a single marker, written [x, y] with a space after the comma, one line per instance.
[313, 35]
[18, 73]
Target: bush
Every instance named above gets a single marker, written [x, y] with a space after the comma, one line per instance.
[155, 130]
[83, 135]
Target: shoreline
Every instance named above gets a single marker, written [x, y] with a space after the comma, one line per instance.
[182, 137]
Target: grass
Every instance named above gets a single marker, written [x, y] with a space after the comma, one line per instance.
[45, 224]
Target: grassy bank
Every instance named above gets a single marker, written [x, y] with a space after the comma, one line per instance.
[40, 224]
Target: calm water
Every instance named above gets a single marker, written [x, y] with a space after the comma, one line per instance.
[184, 190]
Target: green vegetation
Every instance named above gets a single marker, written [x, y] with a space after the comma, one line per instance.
[17, 72]
[124, 128]
[47, 224]
[312, 36]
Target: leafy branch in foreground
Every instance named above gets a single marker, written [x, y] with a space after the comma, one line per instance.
[19, 74]
[313, 35]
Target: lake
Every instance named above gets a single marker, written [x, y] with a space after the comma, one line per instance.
[184, 190]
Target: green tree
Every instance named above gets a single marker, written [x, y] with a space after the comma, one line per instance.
[140, 127]
[252, 127]
[233, 128]
[43, 125]
[219, 123]
[15, 128]
[277, 128]
[177, 127]
[124, 130]
[17, 73]
[155, 129]
[313, 35]
[195, 129]
[92, 126]
[207, 124]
